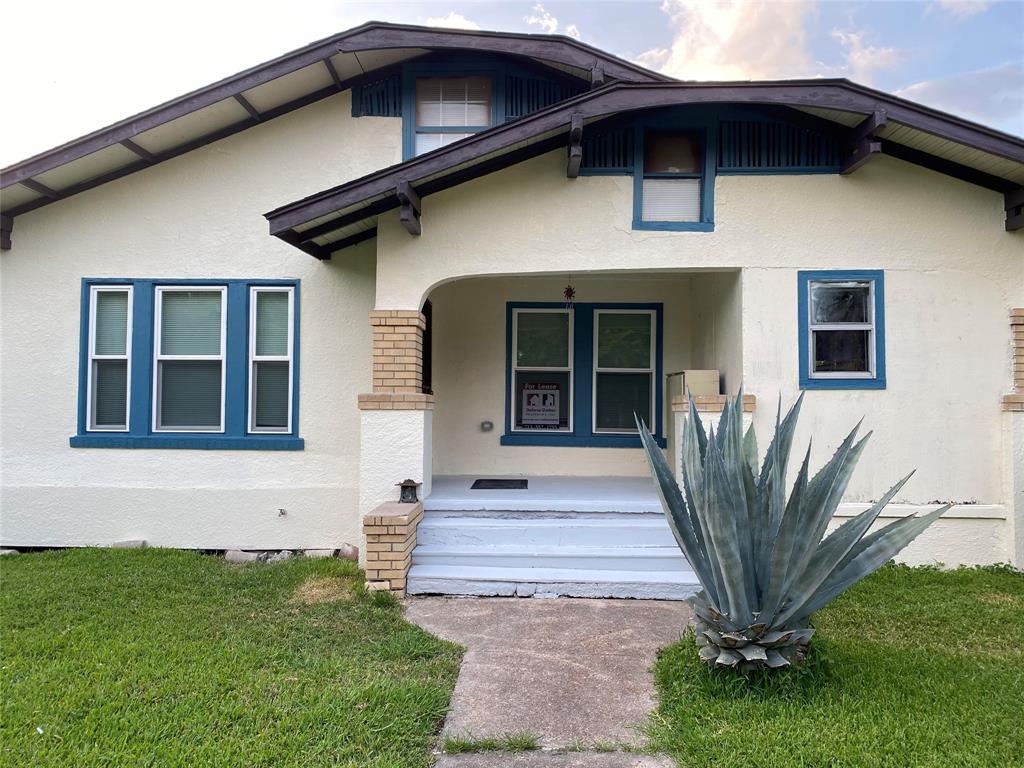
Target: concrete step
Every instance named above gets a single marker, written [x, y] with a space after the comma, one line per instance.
[606, 558]
[591, 530]
[550, 582]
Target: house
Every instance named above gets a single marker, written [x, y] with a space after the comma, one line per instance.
[241, 318]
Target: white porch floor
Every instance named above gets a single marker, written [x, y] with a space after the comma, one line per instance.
[452, 493]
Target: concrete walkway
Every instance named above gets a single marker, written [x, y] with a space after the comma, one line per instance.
[573, 672]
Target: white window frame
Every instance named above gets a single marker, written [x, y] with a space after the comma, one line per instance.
[254, 358]
[454, 129]
[94, 292]
[158, 357]
[516, 368]
[652, 359]
[869, 326]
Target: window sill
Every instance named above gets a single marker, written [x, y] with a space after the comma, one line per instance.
[674, 226]
[190, 442]
[842, 384]
[565, 440]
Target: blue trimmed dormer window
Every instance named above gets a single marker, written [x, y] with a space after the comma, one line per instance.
[842, 329]
[208, 364]
[451, 108]
[674, 177]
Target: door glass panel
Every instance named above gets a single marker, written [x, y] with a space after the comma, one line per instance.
[542, 340]
[624, 340]
[618, 397]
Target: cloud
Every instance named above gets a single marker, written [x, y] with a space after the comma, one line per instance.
[742, 40]
[862, 60]
[964, 8]
[548, 24]
[994, 96]
[452, 21]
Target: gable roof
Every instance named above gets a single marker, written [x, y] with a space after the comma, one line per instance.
[346, 214]
[269, 90]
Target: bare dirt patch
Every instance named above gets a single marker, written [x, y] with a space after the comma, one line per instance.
[322, 589]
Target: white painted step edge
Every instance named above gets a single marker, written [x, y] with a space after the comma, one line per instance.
[537, 575]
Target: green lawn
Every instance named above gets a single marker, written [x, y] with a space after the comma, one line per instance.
[156, 657]
[912, 668]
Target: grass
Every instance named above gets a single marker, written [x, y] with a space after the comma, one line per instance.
[911, 668]
[158, 657]
[513, 742]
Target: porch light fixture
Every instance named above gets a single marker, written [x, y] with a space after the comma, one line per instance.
[408, 493]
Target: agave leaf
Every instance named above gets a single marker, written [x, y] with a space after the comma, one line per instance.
[833, 550]
[774, 659]
[724, 538]
[709, 653]
[733, 640]
[728, 658]
[824, 492]
[697, 427]
[868, 557]
[753, 652]
[674, 506]
[711, 616]
[750, 449]
[782, 551]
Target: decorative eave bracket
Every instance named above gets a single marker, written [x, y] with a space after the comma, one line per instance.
[6, 227]
[409, 214]
[863, 144]
[572, 168]
[1013, 202]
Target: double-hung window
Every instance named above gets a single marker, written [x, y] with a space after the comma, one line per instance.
[673, 167]
[542, 369]
[582, 375]
[189, 364]
[842, 335]
[449, 109]
[189, 379]
[110, 323]
[624, 359]
[270, 359]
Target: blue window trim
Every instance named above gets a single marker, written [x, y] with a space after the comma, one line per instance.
[583, 362]
[140, 432]
[803, 318]
[410, 72]
[706, 125]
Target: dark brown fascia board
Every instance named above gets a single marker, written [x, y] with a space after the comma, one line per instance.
[370, 36]
[834, 94]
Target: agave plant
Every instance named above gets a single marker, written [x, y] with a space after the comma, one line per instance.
[763, 560]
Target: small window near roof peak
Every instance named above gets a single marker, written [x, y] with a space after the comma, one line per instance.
[449, 109]
[671, 186]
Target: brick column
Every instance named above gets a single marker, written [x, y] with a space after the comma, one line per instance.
[1015, 400]
[396, 418]
[397, 350]
[390, 532]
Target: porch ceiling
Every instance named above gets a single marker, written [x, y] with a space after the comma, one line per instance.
[870, 121]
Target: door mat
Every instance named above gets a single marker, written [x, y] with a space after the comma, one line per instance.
[499, 485]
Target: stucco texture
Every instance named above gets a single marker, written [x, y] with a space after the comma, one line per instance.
[199, 215]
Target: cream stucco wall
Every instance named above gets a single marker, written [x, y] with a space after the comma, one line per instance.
[199, 215]
[952, 273]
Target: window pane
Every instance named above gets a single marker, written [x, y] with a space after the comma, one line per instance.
[427, 142]
[624, 340]
[110, 390]
[270, 391]
[111, 323]
[618, 397]
[542, 400]
[671, 200]
[453, 101]
[542, 340]
[672, 153]
[190, 393]
[840, 302]
[190, 323]
[841, 351]
[272, 323]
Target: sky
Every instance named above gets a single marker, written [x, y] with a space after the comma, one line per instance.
[76, 66]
